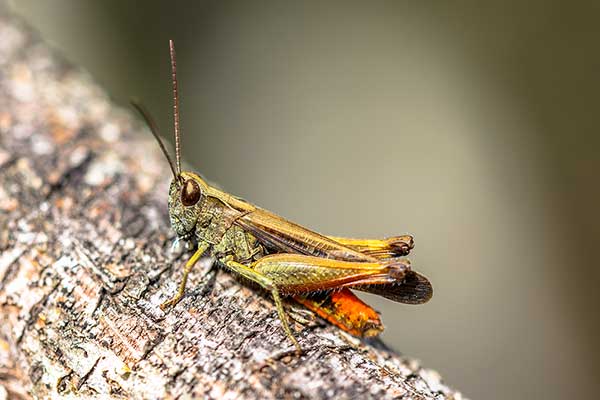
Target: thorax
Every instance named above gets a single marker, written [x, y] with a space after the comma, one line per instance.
[216, 227]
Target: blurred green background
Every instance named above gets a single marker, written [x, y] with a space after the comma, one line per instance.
[474, 127]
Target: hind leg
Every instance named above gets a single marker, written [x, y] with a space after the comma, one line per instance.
[267, 284]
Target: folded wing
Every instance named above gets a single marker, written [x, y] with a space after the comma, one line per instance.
[281, 235]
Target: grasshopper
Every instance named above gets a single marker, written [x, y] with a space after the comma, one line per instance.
[282, 257]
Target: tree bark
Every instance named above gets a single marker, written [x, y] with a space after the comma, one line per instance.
[85, 263]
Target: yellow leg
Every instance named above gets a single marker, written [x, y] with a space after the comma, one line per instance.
[267, 284]
[186, 270]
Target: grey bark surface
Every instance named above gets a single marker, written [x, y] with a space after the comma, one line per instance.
[85, 263]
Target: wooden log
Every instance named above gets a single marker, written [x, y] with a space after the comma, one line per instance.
[85, 262]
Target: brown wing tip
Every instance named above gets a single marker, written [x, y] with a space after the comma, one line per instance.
[416, 289]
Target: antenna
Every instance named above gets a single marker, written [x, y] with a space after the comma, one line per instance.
[175, 106]
[154, 129]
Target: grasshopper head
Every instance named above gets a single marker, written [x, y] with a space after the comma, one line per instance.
[186, 198]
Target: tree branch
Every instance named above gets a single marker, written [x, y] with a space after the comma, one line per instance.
[85, 263]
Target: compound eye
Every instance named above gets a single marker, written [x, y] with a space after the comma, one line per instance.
[190, 193]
